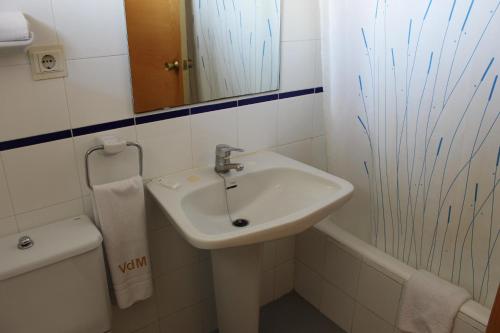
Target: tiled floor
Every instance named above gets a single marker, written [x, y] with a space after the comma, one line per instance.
[292, 314]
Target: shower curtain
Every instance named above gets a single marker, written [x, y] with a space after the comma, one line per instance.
[412, 106]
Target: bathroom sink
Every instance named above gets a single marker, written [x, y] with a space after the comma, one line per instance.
[278, 197]
[272, 197]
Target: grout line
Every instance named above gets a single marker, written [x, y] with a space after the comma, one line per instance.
[9, 191]
[50, 206]
[98, 57]
[81, 182]
[374, 314]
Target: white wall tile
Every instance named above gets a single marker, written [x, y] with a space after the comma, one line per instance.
[300, 20]
[300, 151]
[266, 286]
[5, 203]
[285, 250]
[88, 208]
[189, 320]
[99, 90]
[283, 279]
[374, 287]
[206, 278]
[106, 168]
[338, 306]
[156, 218]
[50, 214]
[342, 269]
[479, 323]
[267, 255]
[8, 226]
[367, 322]
[461, 326]
[39, 15]
[210, 129]
[318, 64]
[42, 175]
[295, 119]
[167, 146]
[170, 251]
[209, 312]
[308, 284]
[30, 107]
[298, 68]
[182, 288]
[137, 316]
[311, 249]
[318, 115]
[91, 28]
[319, 153]
[258, 126]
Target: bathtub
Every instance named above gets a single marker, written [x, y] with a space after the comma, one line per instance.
[359, 286]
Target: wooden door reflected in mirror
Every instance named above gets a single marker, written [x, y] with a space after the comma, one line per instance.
[154, 37]
[190, 51]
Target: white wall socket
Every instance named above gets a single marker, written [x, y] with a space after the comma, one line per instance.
[47, 62]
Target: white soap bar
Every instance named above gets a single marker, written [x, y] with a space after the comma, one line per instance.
[112, 145]
[169, 184]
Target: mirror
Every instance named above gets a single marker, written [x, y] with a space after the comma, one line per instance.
[190, 51]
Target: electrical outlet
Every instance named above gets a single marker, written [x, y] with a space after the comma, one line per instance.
[47, 62]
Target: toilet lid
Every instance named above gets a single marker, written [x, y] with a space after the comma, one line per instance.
[51, 243]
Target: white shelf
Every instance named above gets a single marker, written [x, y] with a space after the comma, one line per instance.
[20, 43]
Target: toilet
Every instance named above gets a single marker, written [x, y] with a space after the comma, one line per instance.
[54, 280]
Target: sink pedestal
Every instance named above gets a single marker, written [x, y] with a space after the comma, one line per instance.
[236, 273]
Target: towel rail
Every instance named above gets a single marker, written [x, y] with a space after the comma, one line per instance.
[101, 147]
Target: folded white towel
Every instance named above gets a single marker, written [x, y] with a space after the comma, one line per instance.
[13, 27]
[430, 304]
[121, 214]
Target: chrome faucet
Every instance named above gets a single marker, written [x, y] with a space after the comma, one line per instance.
[223, 159]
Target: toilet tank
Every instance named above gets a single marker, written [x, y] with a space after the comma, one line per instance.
[59, 284]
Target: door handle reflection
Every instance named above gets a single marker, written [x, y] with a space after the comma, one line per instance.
[172, 66]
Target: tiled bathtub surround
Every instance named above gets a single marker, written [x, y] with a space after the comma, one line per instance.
[46, 127]
[358, 286]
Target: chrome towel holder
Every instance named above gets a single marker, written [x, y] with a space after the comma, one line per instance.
[101, 147]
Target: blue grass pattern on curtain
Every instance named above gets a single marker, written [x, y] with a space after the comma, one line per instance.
[433, 139]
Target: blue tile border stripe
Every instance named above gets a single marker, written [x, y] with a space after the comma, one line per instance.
[296, 93]
[161, 116]
[258, 99]
[103, 127]
[138, 120]
[34, 140]
[214, 107]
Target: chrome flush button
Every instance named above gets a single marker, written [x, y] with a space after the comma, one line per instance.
[25, 242]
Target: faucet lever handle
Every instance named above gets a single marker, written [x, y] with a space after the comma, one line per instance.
[224, 149]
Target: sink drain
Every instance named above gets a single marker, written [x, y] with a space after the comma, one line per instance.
[240, 223]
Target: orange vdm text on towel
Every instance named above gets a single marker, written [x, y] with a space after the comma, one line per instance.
[133, 264]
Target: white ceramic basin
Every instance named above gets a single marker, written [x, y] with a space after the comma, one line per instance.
[277, 195]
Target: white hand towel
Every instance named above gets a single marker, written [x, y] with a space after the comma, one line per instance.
[121, 214]
[430, 304]
[13, 27]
